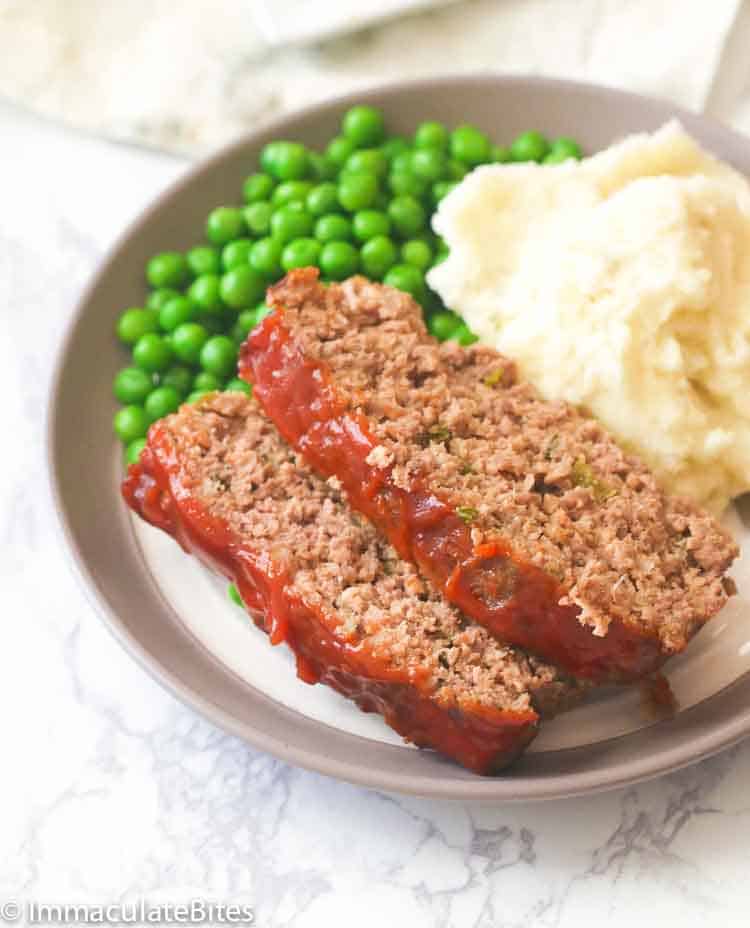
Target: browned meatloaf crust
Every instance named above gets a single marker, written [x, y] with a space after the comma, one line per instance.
[219, 478]
[526, 514]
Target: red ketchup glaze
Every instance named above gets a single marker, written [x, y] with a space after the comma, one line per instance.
[480, 738]
[492, 583]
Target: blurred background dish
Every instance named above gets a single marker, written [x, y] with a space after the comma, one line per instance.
[288, 22]
[189, 76]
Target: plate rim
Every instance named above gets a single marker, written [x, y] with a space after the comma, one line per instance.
[721, 736]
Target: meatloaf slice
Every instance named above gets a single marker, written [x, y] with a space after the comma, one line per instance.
[218, 477]
[525, 514]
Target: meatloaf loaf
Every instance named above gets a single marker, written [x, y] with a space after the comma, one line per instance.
[218, 477]
[524, 513]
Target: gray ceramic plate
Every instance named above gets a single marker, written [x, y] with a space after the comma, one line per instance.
[176, 620]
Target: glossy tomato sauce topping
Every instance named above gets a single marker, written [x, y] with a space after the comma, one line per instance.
[491, 583]
[482, 739]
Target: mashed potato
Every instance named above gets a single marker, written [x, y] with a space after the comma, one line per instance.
[622, 283]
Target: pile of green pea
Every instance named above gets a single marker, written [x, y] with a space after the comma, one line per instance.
[361, 206]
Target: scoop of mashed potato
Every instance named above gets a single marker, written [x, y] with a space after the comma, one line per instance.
[621, 282]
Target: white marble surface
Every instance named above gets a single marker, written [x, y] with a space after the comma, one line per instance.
[111, 789]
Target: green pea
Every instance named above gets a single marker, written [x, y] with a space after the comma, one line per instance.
[175, 312]
[203, 259]
[132, 386]
[224, 224]
[407, 215]
[363, 125]
[402, 161]
[205, 292]
[499, 154]
[562, 149]
[291, 190]
[321, 166]
[187, 341]
[377, 256]
[161, 402]
[265, 257]
[529, 146]
[443, 324]
[168, 269]
[130, 423]
[441, 250]
[235, 253]
[322, 199]
[234, 595]
[417, 253]
[357, 191]
[133, 450]
[333, 228]
[196, 396]
[338, 260]
[257, 187]
[219, 356]
[442, 188]
[258, 217]
[268, 155]
[429, 163]
[556, 157]
[339, 149]
[289, 222]
[369, 223]
[206, 382]
[285, 160]
[431, 135]
[152, 353]
[394, 146]
[302, 252]
[242, 286]
[407, 183]
[457, 170]
[463, 335]
[408, 278]
[367, 161]
[292, 162]
[469, 145]
[158, 298]
[136, 322]
[246, 321]
[179, 377]
[235, 385]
